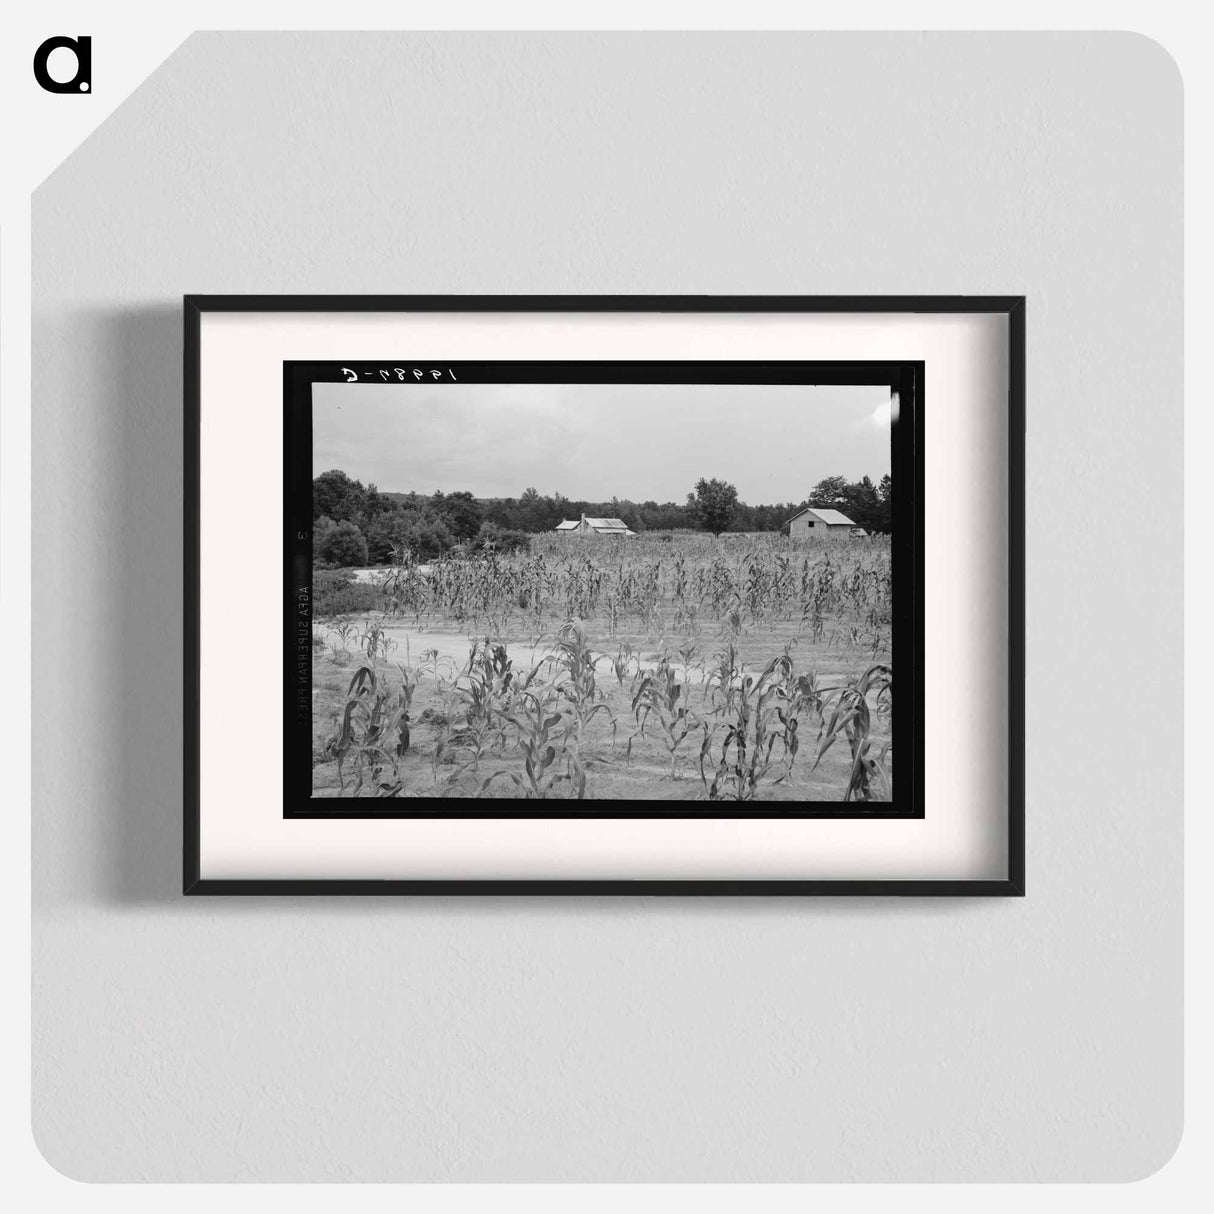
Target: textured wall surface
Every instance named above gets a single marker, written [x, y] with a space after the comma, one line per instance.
[1036, 1039]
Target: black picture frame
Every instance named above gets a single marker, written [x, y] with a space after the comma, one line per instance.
[1011, 307]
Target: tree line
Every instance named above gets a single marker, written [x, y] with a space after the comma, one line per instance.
[357, 524]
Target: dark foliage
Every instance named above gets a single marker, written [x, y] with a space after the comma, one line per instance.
[501, 539]
[335, 592]
[713, 505]
[867, 505]
[392, 525]
[339, 542]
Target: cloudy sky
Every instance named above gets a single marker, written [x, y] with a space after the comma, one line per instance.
[598, 441]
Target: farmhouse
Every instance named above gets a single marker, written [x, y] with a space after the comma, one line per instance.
[815, 520]
[593, 526]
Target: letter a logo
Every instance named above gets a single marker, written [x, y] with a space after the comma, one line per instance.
[82, 81]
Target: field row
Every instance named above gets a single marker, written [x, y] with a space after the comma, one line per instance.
[563, 718]
[685, 590]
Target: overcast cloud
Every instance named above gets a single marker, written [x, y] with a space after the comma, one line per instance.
[598, 441]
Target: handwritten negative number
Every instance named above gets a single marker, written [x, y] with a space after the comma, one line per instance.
[401, 373]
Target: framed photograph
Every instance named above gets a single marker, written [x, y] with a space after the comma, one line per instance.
[604, 595]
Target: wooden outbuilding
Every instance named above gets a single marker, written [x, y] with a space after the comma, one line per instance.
[817, 520]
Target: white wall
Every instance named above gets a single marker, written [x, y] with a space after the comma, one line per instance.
[628, 1039]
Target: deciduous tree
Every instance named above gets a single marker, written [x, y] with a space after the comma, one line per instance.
[712, 505]
[339, 543]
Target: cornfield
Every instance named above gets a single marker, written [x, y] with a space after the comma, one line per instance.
[744, 668]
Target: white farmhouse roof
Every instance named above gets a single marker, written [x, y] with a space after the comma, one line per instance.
[834, 518]
[600, 526]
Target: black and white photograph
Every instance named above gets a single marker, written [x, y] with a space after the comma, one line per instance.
[677, 588]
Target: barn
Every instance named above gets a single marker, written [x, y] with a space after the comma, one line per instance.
[593, 526]
[816, 520]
